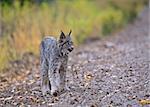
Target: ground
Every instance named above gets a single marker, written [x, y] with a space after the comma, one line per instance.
[111, 72]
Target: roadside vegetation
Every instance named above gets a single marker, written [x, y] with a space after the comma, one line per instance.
[24, 24]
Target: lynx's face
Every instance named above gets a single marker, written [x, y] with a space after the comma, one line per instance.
[65, 44]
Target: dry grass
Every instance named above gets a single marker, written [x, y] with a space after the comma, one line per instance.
[24, 27]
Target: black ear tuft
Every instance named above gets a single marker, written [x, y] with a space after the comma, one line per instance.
[62, 35]
[69, 32]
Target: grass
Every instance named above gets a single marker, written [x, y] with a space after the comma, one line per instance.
[23, 27]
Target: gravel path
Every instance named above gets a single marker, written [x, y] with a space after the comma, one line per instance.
[113, 72]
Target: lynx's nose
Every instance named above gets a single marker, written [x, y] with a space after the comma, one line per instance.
[71, 49]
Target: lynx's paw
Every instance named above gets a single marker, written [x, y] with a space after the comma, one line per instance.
[45, 90]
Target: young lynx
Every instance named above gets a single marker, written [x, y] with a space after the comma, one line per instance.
[54, 57]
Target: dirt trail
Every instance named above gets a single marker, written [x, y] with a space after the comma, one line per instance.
[113, 72]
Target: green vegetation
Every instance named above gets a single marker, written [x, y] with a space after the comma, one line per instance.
[24, 24]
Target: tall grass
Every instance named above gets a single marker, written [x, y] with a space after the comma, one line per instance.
[23, 27]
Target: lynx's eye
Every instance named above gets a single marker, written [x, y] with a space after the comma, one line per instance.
[68, 43]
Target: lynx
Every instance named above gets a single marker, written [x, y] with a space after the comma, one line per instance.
[53, 60]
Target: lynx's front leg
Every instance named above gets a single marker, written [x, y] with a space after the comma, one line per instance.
[54, 78]
[62, 72]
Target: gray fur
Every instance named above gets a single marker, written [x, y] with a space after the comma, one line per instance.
[53, 59]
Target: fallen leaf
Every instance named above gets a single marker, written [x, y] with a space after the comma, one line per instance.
[88, 77]
[56, 98]
[33, 99]
[144, 102]
[51, 104]
[9, 98]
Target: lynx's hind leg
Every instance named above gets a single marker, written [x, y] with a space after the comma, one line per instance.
[45, 83]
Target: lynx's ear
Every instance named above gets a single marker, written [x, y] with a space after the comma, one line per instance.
[62, 36]
[70, 33]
